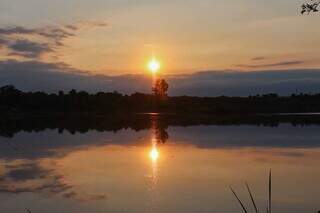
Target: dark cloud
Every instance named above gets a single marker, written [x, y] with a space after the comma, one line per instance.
[29, 49]
[71, 27]
[52, 77]
[57, 35]
[16, 30]
[26, 48]
[25, 172]
[237, 83]
[52, 32]
[35, 75]
[53, 36]
[283, 63]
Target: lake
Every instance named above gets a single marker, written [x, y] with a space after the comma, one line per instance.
[157, 163]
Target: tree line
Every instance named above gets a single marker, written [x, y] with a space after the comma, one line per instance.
[13, 100]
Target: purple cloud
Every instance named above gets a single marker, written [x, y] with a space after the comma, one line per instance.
[53, 36]
[29, 49]
[282, 63]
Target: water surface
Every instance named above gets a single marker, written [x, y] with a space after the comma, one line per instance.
[159, 167]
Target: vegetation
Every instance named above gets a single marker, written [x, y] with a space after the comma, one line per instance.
[13, 100]
[256, 209]
[311, 6]
[160, 89]
[244, 208]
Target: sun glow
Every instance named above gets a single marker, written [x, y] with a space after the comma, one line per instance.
[154, 154]
[154, 65]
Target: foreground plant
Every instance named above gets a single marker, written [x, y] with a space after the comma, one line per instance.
[269, 205]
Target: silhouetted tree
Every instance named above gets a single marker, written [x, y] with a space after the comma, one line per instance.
[160, 88]
[73, 92]
[8, 89]
[311, 6]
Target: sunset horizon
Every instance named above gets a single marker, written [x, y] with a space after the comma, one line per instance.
[159, 106]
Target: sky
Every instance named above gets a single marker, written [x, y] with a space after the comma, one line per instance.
[118, 37]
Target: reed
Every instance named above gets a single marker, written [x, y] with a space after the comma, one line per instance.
[269, 208]
[269, 204]
[242, 205]
[252, 198]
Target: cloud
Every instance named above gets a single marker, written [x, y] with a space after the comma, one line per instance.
[17, 38]
[93, 24]
[29, 49]
[283, 63]
[2, 41]
[71, 27]
[258, 58]
[24, 172]
[51, 77]
[84, 197]
[240, 83]
[16, 30]
[53, 32]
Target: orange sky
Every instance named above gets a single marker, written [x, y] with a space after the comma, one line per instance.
[187, 36]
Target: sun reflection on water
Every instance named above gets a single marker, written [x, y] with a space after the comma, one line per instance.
[154, 155]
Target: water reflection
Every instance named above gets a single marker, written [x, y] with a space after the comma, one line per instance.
[9, 127]
[154, 154]
[148, 171]
[157, 132]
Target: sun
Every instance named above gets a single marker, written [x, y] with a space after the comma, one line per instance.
[154, 65]
[154, 154]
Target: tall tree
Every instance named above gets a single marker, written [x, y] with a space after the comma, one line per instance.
[160, 88]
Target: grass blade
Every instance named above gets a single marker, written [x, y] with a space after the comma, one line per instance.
[252, 199]
[243, 207]
[270, 191]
